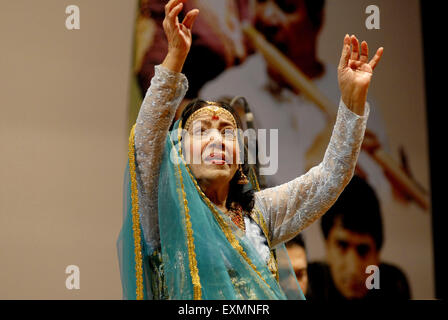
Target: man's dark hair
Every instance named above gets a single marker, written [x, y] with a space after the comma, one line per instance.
[358, 209]
[297, 240]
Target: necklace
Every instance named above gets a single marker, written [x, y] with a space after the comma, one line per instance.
[236, 215]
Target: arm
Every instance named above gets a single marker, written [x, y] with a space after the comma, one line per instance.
[167, 89]
[291, 207]
[155, 116]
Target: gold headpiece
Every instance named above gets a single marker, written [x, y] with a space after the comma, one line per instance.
[214, 109]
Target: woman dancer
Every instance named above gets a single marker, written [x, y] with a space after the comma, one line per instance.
[195, 227]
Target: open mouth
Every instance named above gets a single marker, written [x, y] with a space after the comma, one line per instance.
[216, 158]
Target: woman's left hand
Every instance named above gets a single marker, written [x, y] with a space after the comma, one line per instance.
[355, 73]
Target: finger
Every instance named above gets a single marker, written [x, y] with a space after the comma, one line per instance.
[172, 16]
[379, 53]
[355, 49]
[170, 5]
[190, 18]
[364, 52]
[345, 55]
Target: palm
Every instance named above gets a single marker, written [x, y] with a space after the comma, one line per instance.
[355, 70]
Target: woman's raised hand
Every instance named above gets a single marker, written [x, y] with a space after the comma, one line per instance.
[178, 34]
[355, 72]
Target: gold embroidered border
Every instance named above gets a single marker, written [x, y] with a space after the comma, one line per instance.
[227, 231]
[224, 226]
[258, 217]
[135, 219]
[197, 293]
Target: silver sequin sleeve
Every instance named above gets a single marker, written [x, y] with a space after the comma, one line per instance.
[159, 106]
[291, 207]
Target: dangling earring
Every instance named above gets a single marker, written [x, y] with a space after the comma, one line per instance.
[243, 178]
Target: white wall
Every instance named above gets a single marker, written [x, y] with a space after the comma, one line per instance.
[63, 144]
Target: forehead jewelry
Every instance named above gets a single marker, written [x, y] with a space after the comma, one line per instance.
[214, 110]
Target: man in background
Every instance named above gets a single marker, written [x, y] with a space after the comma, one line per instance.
[297, 255]
[353, 234]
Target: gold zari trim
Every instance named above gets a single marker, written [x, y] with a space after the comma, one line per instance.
[258, 218]
[213, 110]
[273, 263]
[194, 271]
[224, 226]
[135, 219]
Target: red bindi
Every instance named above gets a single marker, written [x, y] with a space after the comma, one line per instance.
[215, 117]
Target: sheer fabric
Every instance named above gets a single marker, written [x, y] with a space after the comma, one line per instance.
[169, 227]
[203, 254]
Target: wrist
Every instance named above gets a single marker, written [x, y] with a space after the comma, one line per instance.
[355, 102]
[174, 61]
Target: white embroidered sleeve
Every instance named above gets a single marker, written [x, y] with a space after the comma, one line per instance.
[159, 106]
[291, 207]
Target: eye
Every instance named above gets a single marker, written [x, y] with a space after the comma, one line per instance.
[363, 250]
[288, 6]
[343, 245]
[229, 133]
[198, 131]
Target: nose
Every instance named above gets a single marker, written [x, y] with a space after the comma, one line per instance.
[352, 263]
[214, 135]
[214, 140]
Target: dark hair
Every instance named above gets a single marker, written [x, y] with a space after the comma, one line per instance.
[359, 211]
[314, 9]
[242, 194]
[297, 240]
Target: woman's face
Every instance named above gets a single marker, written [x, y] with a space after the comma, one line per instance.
[211, 147]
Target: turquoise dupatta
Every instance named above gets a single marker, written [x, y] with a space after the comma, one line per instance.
[203, 254]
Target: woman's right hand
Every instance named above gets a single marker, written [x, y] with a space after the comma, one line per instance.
[178, 34]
